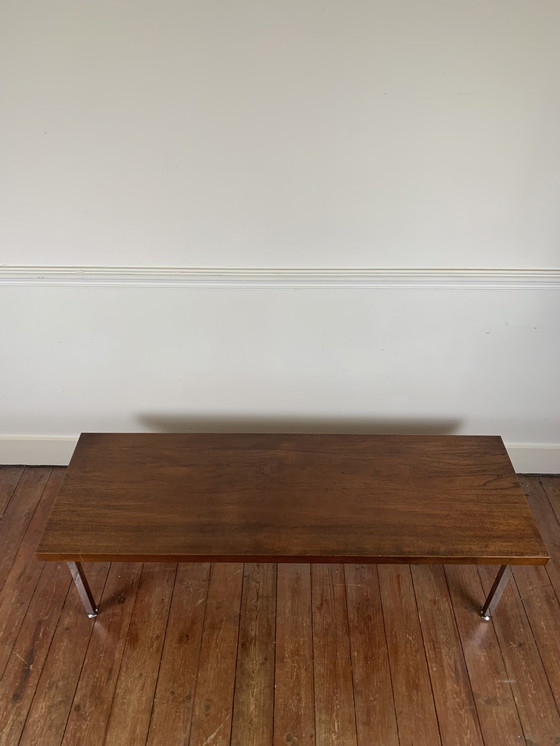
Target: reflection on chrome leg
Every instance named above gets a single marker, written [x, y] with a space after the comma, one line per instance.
[80, 581]
[496, 591]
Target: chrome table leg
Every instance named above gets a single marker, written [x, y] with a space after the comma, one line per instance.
[496, 591]
[80, 581]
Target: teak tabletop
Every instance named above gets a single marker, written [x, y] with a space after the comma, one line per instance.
[291, 498]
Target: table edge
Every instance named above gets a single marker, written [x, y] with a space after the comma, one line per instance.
[296, 559]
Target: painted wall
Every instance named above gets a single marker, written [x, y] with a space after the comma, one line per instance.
[445, 360]
[279, 134]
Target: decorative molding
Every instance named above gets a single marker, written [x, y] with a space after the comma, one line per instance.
[56, 450]
[287, 278]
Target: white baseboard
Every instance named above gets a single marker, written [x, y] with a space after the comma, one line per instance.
[37, 450]
[56, 450]
[535, 458]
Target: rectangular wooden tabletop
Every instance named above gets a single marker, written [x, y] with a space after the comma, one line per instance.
[290, 498]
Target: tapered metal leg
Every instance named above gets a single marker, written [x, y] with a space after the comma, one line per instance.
[80, 581]
[496, 591]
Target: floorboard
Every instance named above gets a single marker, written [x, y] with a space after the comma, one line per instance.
[451, 687]
[335, 721]
[416, 712]
[134, 692]
[294, 698]
[173, 701]
[376, 720]
[215, 684]
[52, 700]
[9, 479]
[91, 705]
[266, 655]
[531, 688]
[24, 572]
[23, 669]
[551, 486]
[18, 514]
[253, 702]
[544, 499]
[490, 685]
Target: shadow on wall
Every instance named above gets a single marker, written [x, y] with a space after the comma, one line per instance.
[163, 423]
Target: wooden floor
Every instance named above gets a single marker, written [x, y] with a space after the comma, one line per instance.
[263, 654]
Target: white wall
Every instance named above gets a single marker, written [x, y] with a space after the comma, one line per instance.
[363, 134]
[280, 133]
[85, 358]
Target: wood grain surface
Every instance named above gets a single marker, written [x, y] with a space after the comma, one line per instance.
[213, 700]
[134, 693]
[50, 709]
[9, 479]
[529, 682]
[373, 688]
[294, 707]
[335, 720]
[18, 514]
[253, 704]
[455, 708]
[173, 700]
[93, 698]
[412, 689]
[494, 700]
[291, 498]
[404, 661]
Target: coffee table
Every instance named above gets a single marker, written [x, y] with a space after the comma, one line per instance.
[291, 498]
